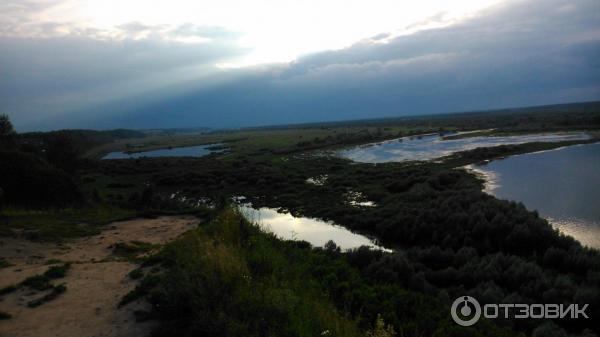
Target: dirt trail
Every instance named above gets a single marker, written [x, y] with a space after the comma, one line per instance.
[95, 282]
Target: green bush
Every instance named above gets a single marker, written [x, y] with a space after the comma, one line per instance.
[4, 263]
[57, 271]
[54, 293]
[37, 282]
[228, 278]
[136, 274]
[8, 289]
[208, 288]
[132, 248]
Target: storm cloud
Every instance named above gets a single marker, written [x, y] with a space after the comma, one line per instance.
[519, 53]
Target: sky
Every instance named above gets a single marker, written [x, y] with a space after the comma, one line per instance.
[233, 63]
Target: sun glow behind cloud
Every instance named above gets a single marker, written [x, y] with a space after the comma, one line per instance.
[272, 30]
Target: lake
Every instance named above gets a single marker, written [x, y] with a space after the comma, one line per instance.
[187, 151]
[563, 185]
[432, 146]
[316, 232]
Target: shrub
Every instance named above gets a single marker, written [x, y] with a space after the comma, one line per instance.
[136, 274]
[56, 291]
[132, 248]
[57, 271]
[37, 282]
[29, 181]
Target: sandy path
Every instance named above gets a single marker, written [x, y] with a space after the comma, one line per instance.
[95, 285]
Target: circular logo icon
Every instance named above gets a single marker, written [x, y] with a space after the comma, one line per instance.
[465, 311]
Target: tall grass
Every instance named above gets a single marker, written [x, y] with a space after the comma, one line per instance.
[58, 224]
[230, 279]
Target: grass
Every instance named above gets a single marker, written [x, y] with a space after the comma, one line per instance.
[42, 282]
[136, 274]
[133, 248]
[8, 289]
[477, 133]
[503, 133]
[228, 278]
[57, 271]
[265, 140]
[146, 284]
[488, 153]
[53, 261]
[4, 263]
[54, 293]
[55, 225]
[37, 282]
[213, 285]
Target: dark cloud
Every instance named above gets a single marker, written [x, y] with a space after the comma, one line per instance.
[43, 78]
[523, 52]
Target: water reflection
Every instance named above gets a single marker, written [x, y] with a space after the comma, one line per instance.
[563, 185]
[187, 151]
[358, 199]
[585, 231]
[317, 180]
[432, 146]
[315, 231]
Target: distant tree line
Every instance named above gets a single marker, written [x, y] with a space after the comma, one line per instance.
[41, 169]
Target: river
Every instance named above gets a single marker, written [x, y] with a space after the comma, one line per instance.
[563, 185]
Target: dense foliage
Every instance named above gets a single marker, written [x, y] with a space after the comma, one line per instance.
[27, 180]
[228, 278]
[453, 239]
[39, 170]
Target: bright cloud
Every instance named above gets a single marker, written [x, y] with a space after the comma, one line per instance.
[274, 30]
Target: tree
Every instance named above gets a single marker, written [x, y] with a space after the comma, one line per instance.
[381, 329]
[7, 133]
[29, 181]
[62, 151]
[146, 198]
[6, 127]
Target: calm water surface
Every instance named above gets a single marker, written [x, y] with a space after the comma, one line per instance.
[315, 231]
[433, 146]
[563, 185]
[188, 151]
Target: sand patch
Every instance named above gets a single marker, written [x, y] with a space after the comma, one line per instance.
[95, 283]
